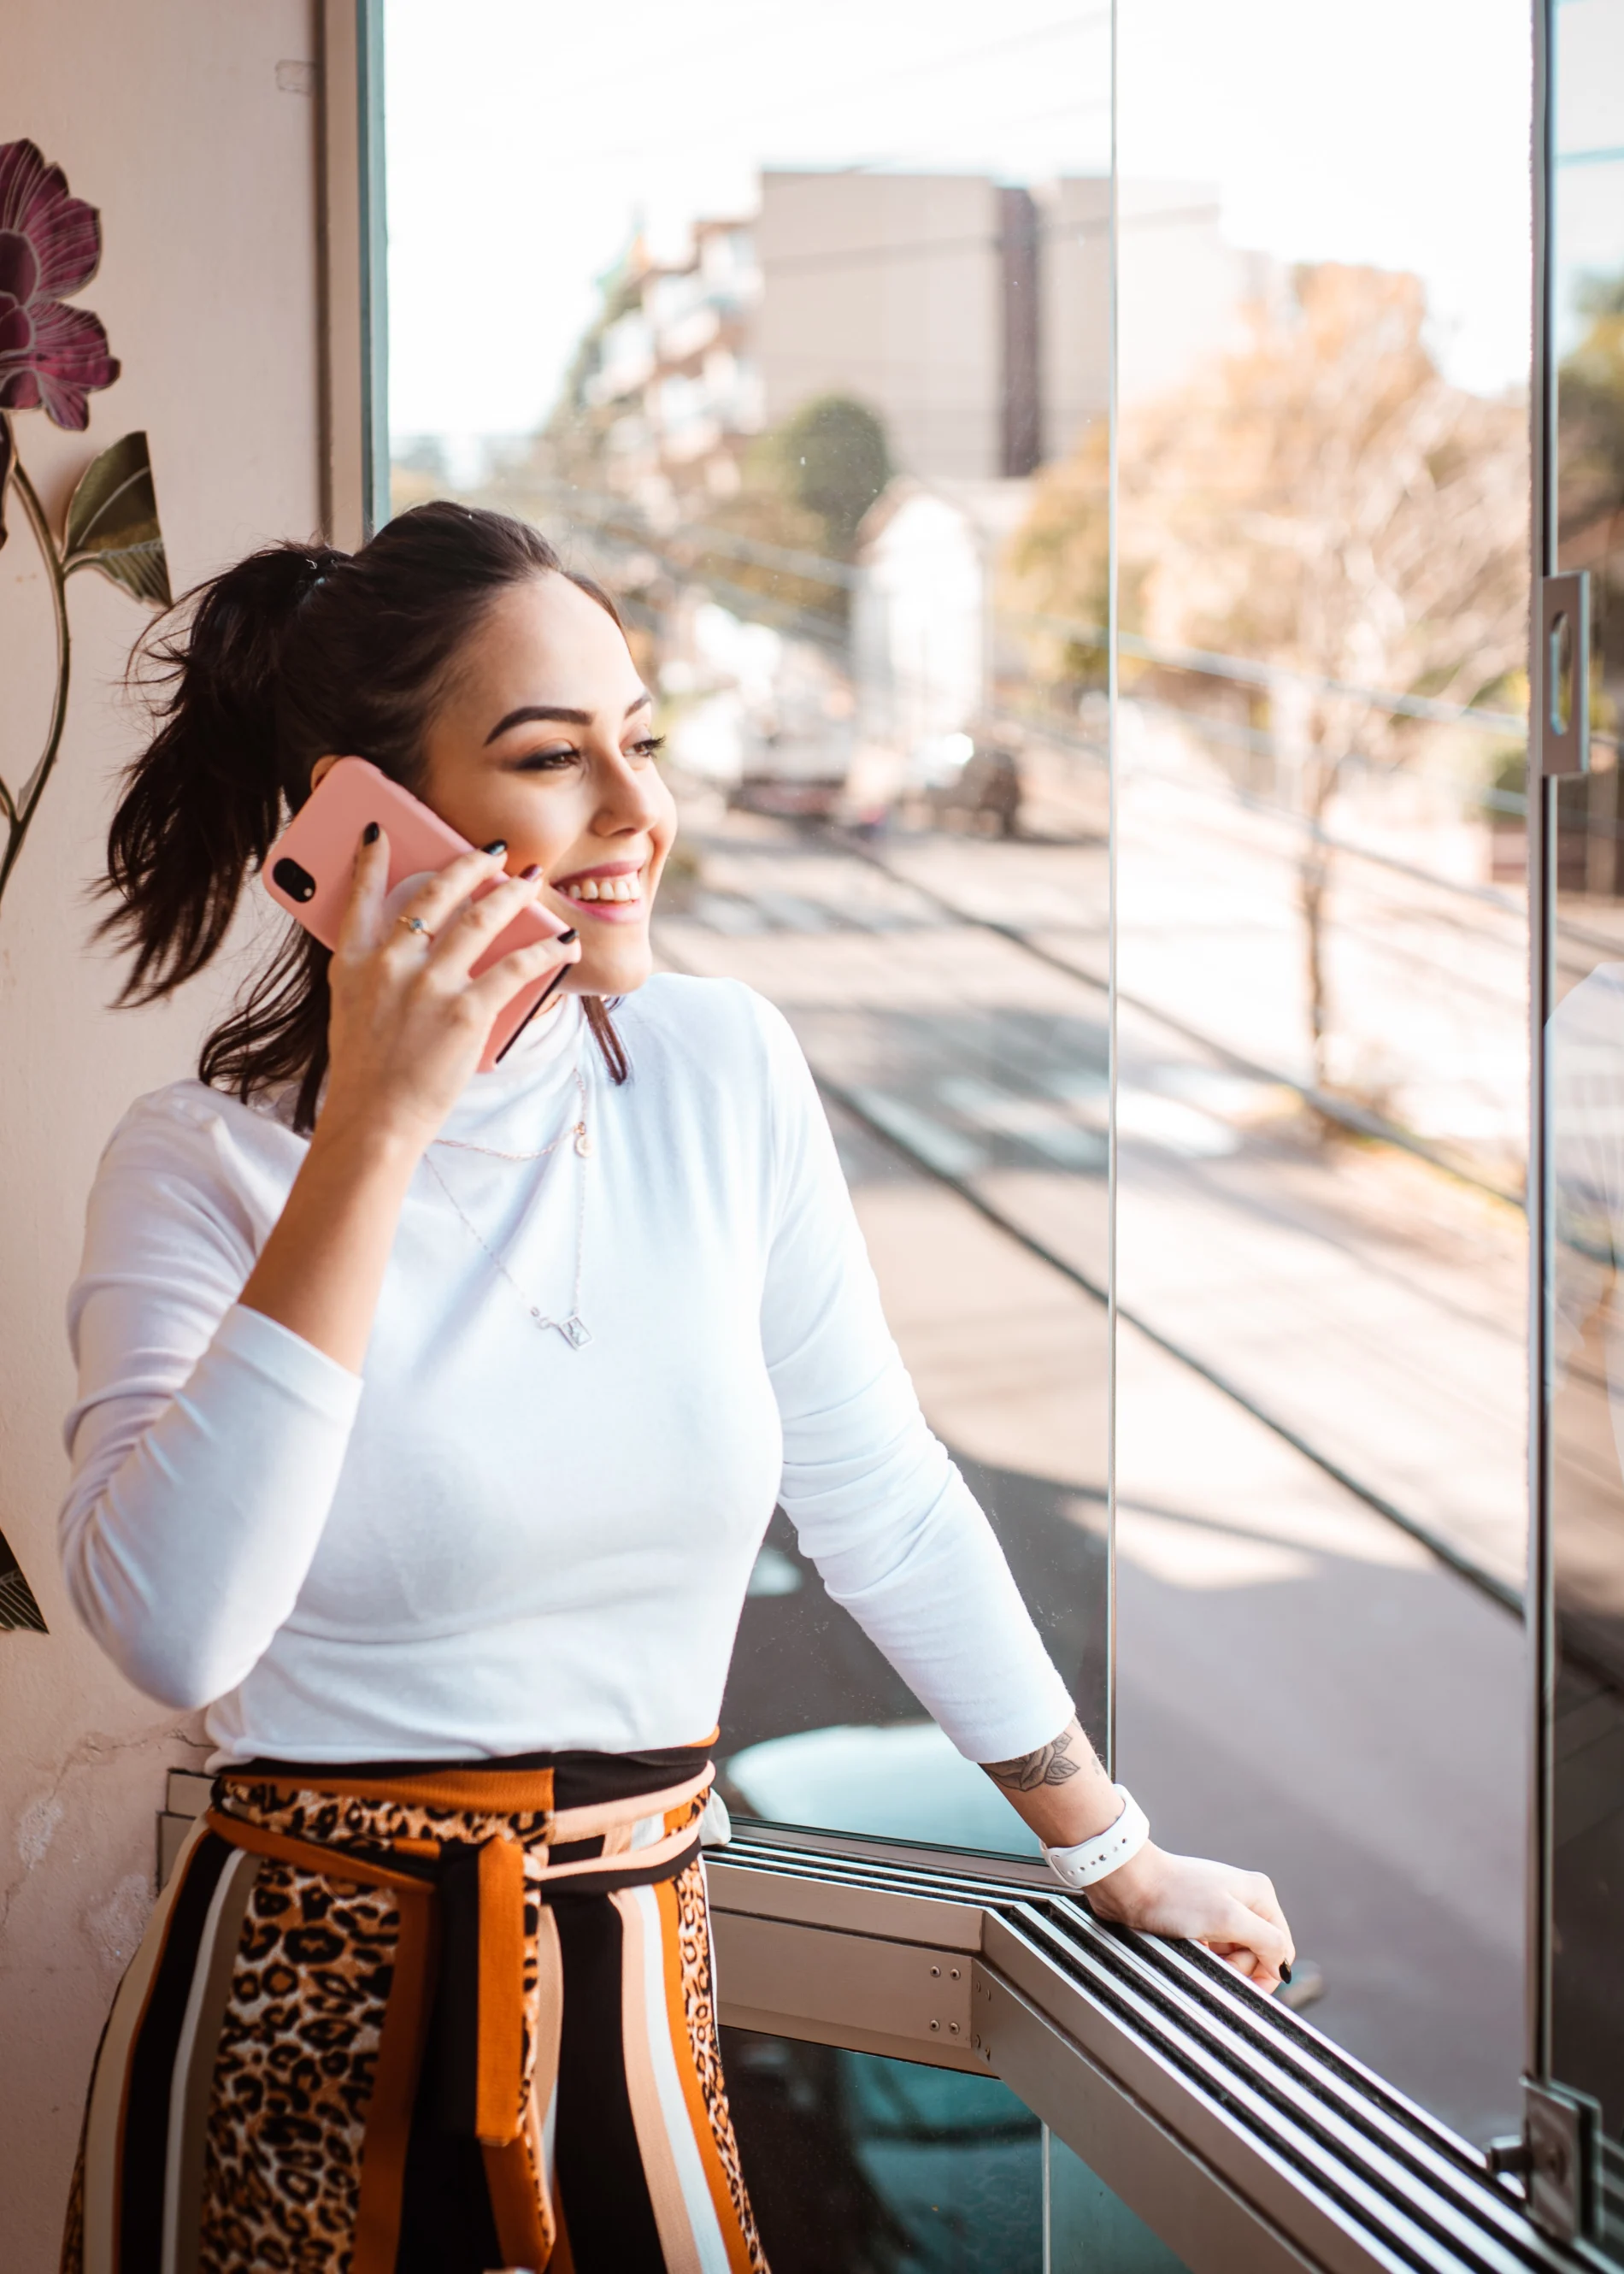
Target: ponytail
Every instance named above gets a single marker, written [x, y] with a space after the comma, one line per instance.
[203, 802]
[297, 653]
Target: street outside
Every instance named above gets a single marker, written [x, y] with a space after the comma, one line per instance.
[1301, 1685]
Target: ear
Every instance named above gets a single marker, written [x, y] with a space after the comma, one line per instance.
[319, 772]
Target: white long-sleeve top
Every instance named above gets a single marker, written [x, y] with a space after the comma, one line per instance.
[490, 1542]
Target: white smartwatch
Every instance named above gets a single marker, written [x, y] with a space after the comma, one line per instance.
[1107, 1850]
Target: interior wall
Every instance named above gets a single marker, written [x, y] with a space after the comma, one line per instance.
[194, 128]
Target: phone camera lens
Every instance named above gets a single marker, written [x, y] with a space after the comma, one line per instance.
[298, 882]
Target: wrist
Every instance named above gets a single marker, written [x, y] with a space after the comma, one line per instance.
[1127, 1893]
[365, 1147]
[1087, 1862]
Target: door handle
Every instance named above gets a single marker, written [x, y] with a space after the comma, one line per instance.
[1562, 676]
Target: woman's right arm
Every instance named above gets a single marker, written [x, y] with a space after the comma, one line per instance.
[214, 1414]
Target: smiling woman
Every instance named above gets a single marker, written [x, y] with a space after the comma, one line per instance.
[458, 1596]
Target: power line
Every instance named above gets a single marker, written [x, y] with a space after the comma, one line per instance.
[916, 68]
[1267, 675]
[826, 632]
[817, 567]
[1209, 662]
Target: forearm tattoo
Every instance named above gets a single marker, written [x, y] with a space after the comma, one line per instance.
[1050, 1764]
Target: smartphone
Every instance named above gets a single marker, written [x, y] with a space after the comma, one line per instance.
[309, 868]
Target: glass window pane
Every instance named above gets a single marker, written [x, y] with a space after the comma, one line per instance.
[1585, 1076]
[864, 2163]
[1322, 959]
[787, 376]
[869, 2165]
[1091, 2230]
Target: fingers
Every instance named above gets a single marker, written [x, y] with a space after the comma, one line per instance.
[358, 928]
[1260, 1897]
[435, 903]
[1254, 1943]
[501, 983]
[1247, 1964]
[463, 936]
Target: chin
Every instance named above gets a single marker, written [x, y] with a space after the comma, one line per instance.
[618, 974]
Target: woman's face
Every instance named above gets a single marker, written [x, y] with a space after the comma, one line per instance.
[546, 740]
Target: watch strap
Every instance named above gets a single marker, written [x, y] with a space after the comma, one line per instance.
[1106, 1851]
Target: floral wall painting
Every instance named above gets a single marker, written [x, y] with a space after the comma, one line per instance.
[53, 358]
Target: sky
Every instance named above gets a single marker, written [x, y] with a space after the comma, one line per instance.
[1589, 156]
[527, 141]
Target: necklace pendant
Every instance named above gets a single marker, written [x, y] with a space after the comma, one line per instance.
[583, 1140]
[575, 1331]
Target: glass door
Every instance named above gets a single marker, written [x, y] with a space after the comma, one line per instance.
[1576, 2107]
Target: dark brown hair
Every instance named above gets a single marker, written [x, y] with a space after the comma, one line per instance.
[298, 653]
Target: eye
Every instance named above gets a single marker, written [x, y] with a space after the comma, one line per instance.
[547, 762]
[650, 746]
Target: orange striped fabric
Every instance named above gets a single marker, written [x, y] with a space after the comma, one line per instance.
[526, 2073]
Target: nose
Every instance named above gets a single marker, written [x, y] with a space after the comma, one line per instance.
[631, 798]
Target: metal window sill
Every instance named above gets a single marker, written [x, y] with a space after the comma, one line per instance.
[1243, 2137]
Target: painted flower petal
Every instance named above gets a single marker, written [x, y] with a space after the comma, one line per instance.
[66, 236]
[19, 267]
[20, 390]
[22, 171]
[71, 355]
[64, 232]
[69, 243]
[16, 332]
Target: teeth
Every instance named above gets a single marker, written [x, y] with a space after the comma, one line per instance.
[606, 888]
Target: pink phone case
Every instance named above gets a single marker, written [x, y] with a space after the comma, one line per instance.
[308, 872]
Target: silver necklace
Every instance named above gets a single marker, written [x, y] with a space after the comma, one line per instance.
[574, 1327]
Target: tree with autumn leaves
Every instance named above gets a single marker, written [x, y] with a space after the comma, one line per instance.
[1321, 500]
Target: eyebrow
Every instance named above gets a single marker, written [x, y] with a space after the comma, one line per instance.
[560, 712]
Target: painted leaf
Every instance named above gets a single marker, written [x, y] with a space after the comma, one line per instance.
[8, 451]
[18, 1607]
[113, 523]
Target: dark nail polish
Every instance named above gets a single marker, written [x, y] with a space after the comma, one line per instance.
[496, 845]
[565, 937]
[371, 833]
[1285, 1974]
[530, 874]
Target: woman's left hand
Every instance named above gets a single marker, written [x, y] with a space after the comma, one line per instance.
[1235, 1914]
[1062, 1790]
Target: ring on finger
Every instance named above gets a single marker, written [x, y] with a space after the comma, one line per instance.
[416, 923]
